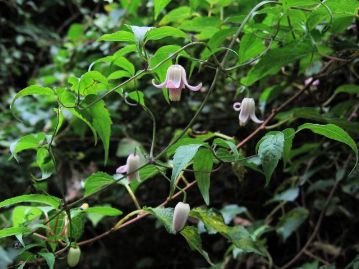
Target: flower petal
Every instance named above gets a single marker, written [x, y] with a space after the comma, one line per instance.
[255, 119]
[174, 76]
[243, 117]
[122, 169]
[194, 88]
[184, 79]
[175, 94]
[159, 86]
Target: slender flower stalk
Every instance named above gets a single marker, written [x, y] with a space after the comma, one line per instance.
[131, 167]
[180, 216]
[247, 111]
[176, 80]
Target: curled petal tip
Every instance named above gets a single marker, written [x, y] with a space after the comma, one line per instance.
[194, 88]
[255, 119]
[237, 106]
[159, 86]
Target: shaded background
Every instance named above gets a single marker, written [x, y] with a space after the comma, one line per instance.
[46, 41]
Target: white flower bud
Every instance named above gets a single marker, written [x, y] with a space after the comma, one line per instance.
[133, 163]
[180, 216]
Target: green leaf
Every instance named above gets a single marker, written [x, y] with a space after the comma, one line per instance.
[289, 134]
[33, 198]
[120, 36]
[119, 74]
[101, 122]
[32, 90]
[275, 59]
[165, 215]
[202, 165]
[229, 212]
[23, 214]
[216, 41]
[288, 195]
[165, 31]
[251, 46]
[347, 88]
[182, 157]
[270, 152]
[104, 211]
[193, 239]
[125, 64]
[31, 141]
[138, 97]
[175, 15]
[159, 5]
[75, 32]
[131, 5]
[45, 163]
[211, 219]
[13, 231]
[333, 132]
[291, 221]
[146, 173]
[182, 142]
[96, 182]
[49, 258]
[243, 240]
[79, 114]
[77, 227]
[206, 26]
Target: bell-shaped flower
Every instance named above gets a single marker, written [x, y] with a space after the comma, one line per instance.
[131, 167]
[176, 80]
[180, 216]
[247, 110]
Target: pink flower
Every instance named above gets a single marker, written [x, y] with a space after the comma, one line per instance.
[176, 80]
[248, 109]
[131, 167]
[180, 216]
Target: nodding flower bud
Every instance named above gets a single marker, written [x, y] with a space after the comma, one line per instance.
[313, 83]
[180, 216]
[176, 80]
[248, 110]
[131, 167]
[73, 256]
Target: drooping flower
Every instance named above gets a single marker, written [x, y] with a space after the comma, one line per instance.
[247, 108]
[131, 167]
[180, 216]
[176, 80]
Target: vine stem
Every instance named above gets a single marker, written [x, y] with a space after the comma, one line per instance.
[132, 195]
